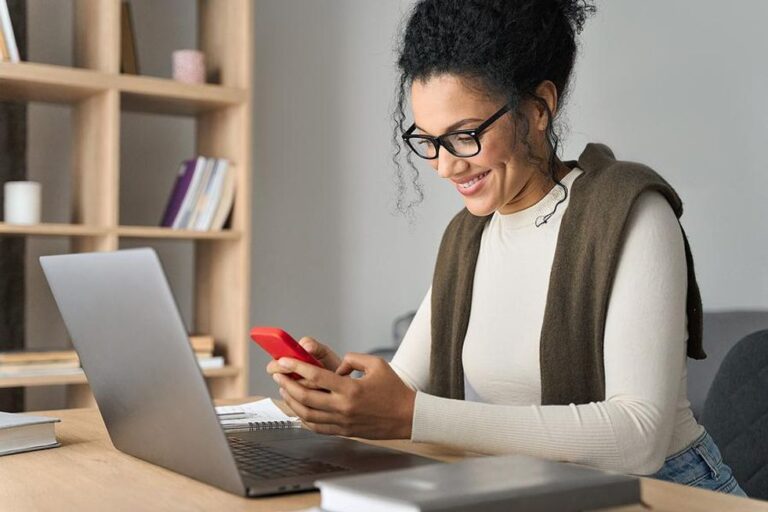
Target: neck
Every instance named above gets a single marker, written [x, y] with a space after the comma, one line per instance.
[534, 191]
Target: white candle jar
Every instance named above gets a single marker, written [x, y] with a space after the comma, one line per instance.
[22, 202]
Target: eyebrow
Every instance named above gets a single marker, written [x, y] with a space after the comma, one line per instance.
[454, 126]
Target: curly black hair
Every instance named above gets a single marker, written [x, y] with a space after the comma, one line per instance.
[504, 48]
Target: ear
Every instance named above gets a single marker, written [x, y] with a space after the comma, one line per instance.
[547, 91]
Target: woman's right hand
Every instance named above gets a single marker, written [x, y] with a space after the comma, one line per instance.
[322, 353]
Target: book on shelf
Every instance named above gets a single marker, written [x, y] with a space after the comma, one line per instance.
[33, 363]
[23, 433]
[7, 32]
[202, 195]
[209, 362]
[129, 60]
[4, 55]
[202, 342]
[199, 193]
[35, 367]
[37, 356]
[179, 190]
[42, 372]
[259, 415]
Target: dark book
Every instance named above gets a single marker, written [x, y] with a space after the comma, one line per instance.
[129, 59]
[183, 179]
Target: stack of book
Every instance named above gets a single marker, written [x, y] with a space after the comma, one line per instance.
[9, 51]
[202, 197]
[203, 346]
[48, 362]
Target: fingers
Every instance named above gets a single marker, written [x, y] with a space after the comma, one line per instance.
[313, 346]
[273, 367]
[321, 352]
[326, 428]
[361, 362]
[312, 398]
[316, 377]
[307, 414]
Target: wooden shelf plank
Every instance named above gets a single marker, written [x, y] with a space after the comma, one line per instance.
[29, 81]
[184, 234]
[26, 81]
[51, 229]
[79, 378]
[161, 96]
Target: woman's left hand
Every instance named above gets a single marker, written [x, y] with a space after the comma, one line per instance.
[376, 406]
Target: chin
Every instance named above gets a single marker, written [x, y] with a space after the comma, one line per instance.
[479, 208]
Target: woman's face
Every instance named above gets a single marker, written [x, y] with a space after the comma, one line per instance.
[506, 180]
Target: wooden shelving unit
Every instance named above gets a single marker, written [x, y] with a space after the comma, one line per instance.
[98, 94]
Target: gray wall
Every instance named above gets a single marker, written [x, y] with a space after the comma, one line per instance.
[676, 85]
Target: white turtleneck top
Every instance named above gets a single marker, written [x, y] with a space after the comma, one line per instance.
[645, 416]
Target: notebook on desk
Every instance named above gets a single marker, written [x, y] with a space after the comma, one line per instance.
[24, 433]
[134, 348]
[512, 483]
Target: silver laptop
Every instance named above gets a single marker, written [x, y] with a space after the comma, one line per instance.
[134, 349]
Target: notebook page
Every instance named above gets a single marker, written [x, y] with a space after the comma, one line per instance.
[261, 411]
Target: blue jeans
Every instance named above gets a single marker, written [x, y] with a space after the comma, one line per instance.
[700, 465]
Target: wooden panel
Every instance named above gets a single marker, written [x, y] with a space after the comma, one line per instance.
[96, 160]
[26, 81]
[51, 229]
[223, 267]
[156, 95]
[226, 38]
[97, 35]
[182, 234]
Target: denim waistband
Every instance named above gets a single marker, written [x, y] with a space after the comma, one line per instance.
[688, 460]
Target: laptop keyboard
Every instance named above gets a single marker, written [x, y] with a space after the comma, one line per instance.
[260, 462]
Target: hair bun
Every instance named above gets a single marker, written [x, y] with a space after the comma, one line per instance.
[576, 12]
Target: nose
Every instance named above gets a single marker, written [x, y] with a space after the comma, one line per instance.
[448, 165]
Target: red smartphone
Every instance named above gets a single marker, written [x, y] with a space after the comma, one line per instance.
[278, 343]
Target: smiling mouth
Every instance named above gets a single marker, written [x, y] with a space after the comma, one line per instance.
[474, 180]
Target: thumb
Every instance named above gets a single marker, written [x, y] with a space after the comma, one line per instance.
[313, 346]
[354, 361]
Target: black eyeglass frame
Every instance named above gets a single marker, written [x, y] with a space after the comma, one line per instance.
[440, 139]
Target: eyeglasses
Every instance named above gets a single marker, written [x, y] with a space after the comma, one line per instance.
[460, 143]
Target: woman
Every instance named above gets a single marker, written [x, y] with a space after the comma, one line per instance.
[563, 301]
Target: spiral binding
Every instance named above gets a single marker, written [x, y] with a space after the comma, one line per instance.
[263, 425]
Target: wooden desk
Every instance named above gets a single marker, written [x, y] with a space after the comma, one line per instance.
[88, 474]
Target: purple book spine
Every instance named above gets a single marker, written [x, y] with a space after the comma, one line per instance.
[179, 191]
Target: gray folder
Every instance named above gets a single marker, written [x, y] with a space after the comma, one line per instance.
[505, 483]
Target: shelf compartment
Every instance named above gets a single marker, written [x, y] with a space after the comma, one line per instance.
[181, 234]
[79, 378]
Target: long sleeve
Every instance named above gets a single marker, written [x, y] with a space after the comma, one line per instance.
[411, 361]
[644, 355]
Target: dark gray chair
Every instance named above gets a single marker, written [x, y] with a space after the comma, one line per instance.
[399, 328]
[736, 412]
[722, 329]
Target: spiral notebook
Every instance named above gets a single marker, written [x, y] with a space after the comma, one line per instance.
[258, 415]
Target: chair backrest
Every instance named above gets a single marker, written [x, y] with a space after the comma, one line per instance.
[736, 412]
[722, 329]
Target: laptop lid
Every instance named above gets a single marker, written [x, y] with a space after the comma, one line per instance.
[134, 349]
